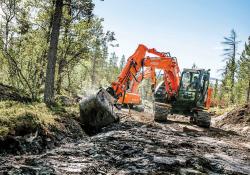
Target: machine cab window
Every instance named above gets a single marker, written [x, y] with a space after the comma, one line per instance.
[190, 81]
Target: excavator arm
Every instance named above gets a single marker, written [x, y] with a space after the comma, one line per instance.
[148, 73]
[135, 64]
[132, 67]
[132, 95]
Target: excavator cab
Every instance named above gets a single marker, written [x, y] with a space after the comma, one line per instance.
[191, 99]
[193, 96]
[193, 89]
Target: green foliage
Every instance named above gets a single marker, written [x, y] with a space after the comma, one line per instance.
[229, 72]
[235, 86]
[243, 76]
[82, 49]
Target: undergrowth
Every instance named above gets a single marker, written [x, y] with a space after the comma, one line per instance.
[15, 115]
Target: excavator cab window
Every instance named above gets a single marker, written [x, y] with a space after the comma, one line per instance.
[185, 80]
[190, 81]
[194, 83]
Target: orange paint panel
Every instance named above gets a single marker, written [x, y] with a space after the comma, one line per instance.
[130, 98]
[209, 96]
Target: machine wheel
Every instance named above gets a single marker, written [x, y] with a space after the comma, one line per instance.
[161, 111]
[201, 118]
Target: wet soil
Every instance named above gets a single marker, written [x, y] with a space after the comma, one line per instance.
[137, 145]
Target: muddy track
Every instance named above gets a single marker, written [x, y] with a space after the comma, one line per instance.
[137, 145]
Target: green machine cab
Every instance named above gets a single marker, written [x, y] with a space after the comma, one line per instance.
[189, 101]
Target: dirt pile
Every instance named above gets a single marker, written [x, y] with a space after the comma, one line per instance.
[239, 115]
[237, 120]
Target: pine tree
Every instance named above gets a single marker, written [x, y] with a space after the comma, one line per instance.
[113, 59]
[243, 84]
[194, 66]
[230, 52]
[122, 62]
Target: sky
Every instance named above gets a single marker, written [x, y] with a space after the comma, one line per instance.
[191, 30]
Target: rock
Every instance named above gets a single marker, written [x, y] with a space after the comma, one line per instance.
[165, 160]
[96, 113]
[189, 171]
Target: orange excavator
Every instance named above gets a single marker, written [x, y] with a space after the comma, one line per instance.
[136, 64]
[188, 94]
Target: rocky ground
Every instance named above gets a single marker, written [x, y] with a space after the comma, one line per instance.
[137, 145]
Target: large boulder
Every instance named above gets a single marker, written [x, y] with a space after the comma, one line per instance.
[95, 113]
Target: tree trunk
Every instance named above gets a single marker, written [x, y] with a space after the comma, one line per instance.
[93, 71]
[63, 62]
[233, 73]
[61, 66]
[248, 92]
[52, 54]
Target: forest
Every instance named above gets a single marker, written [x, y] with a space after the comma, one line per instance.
[51, 48]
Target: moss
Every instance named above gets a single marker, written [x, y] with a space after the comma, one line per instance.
[4, 130]
[15, 115]
[29, 116]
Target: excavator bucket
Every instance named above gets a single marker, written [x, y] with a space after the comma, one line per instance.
[97, 111]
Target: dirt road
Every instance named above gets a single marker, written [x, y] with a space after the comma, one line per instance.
[137, 145]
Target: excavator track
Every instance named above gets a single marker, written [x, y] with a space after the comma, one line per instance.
[201, 118]
[161, 111]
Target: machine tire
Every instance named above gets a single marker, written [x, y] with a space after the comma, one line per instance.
[202, 119]
[161, 111]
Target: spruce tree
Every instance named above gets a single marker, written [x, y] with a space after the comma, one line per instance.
[230, 52]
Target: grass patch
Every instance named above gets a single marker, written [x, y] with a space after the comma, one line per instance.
[3, 130]
[16, 115]
[219, 111]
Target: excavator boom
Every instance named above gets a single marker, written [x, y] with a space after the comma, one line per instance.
[135, 65]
